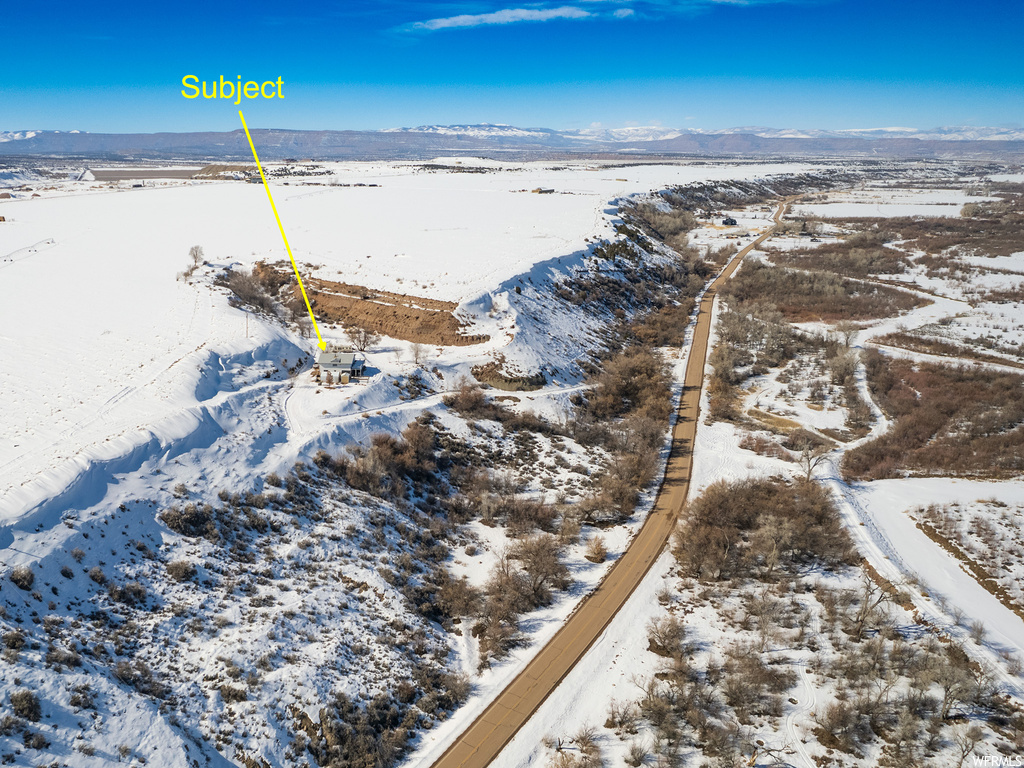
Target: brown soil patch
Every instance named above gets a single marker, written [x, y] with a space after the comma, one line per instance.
[400, 316]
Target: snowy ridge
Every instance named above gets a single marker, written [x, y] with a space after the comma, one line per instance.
[25, 135]
[482, 130]
[657, 133]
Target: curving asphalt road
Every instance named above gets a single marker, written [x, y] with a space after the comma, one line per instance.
[481, 743]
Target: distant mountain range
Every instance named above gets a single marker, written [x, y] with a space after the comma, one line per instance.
[510, 141]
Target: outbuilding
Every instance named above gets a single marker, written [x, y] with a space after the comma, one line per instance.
[729, 221]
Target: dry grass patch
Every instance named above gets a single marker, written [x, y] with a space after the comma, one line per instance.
[824, 296]
[949, 420]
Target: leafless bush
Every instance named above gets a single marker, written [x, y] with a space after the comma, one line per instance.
[181, 570]
[666, 636]
[751, 525]
[232, 694]
[542, 566]
[139, 676]
[23, 577]
[14, 639]
[192, 520]
[25, 704]
[362, 338]
[597, 552]
[248, 290]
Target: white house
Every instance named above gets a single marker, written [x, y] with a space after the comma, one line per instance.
[339, 364]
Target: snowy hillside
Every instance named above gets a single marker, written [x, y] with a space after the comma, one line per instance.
[206, 540]
[177, 557]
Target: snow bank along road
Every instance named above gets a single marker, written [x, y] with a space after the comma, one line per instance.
[495, 727]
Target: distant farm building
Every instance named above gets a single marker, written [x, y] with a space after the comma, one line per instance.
[729, 221]
[341, 365]
[543, 191]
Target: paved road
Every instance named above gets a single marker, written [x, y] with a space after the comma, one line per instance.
[481, 743]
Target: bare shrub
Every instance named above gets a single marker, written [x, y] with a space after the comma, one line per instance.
[14, 639]
[26, 704]
[666, 636]
[542, 566]
[23, 577]
[597, 552]
[232, 694]
[723, 523]
[948, 420]
[181, 570]
[139, 676]
[248, 290]
[634, 382]
[192, 520]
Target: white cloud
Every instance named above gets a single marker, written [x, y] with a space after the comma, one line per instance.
[505, 16]
[599, 9]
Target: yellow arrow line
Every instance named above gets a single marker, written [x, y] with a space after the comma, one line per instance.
[321, 343]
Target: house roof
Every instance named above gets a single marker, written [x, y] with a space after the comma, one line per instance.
[345, 359]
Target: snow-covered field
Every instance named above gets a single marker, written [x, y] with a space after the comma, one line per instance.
[881, 515]
[104, 350]
[883, 202]
[131, 390]
[136, 390]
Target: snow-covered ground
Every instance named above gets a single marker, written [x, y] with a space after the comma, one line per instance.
[881, 515]
[883, 202]
[104, 350]
[136, 390]
[127, 382]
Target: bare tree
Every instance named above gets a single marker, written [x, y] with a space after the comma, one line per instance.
[196, 254]
[543, 567]
[810, 457]
[847, 330]
[966, 739]
[597, 552]
[419, 353]
[362, 338]
[871, 598]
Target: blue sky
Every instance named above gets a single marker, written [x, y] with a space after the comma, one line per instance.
[562, 64]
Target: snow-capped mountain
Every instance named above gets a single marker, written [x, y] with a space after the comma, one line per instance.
[633, 133]
[659, 133]
[947, 133]
[427, 141]
[481, 130]
[16, 135]
[24, 135]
